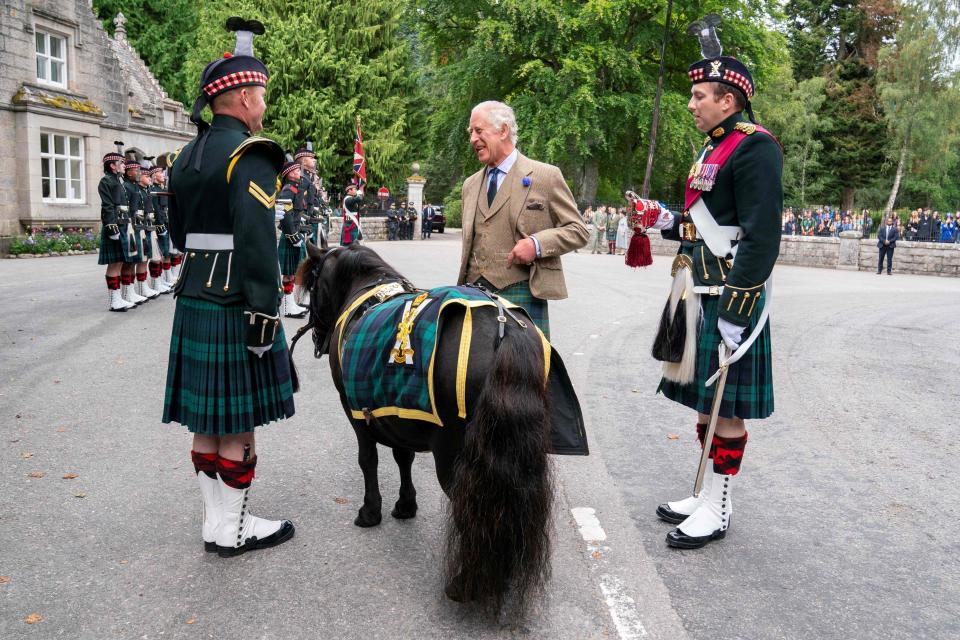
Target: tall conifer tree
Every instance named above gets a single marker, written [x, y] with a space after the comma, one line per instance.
[329, 62]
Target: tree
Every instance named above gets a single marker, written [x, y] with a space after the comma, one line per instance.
[329, 62]
[162, 31]
[793, 111]
[840, 40]
[919, 94]
[581, 78]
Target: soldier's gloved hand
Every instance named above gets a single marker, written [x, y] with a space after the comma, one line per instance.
[732, 334]
[113, 231]
[259, 351]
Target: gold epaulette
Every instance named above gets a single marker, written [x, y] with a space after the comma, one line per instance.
[746, 127]
[274, 149]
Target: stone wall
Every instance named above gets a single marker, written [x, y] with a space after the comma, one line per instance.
[928, 258]
[853, 253]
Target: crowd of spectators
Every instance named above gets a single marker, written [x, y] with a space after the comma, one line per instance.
[921, 225]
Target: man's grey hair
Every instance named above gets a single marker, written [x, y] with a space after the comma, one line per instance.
[499, 114]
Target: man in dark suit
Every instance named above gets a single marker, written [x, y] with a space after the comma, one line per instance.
[426, 227]
[887, 237]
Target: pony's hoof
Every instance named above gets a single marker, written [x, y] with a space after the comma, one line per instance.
[404, 511]
[454, 590]
[367, 519]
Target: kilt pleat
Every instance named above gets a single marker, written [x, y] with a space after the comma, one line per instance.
[748, 393]
[290, 256]
[215, 386]
[111, 251]
[519, 294]
[164, 243]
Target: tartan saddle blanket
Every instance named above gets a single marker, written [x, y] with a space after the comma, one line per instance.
[387, 356]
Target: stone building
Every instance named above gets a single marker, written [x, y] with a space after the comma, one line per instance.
[67, 92]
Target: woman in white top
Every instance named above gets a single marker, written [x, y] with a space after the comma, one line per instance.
[623, 233]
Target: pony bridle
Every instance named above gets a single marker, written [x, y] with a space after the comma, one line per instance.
[322, 331]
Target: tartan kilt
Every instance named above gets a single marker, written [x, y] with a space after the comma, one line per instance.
[748, 393]
[215, 386]
[290, 256]
[163, 241]
[111, 251]
[519, 294]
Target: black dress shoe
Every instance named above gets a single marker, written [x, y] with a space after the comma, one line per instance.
[679, 540]
[284, 533]
[665, 513]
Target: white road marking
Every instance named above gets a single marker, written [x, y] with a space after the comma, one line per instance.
[622, 607]
[590, 528]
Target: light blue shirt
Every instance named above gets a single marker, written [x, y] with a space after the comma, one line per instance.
[503, 169]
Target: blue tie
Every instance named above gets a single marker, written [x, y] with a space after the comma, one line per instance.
[492, 187]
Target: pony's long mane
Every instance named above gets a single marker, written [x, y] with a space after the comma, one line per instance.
[355, 264]
[330, 289]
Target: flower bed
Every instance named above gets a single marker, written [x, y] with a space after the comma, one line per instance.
[55, 241]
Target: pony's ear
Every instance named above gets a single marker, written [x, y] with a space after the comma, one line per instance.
[316, 252]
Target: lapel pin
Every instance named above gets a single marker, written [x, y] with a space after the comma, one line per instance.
[526, 181]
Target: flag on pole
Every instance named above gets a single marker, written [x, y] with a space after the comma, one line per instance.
[359, 162]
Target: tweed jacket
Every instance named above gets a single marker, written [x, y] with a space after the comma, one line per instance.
[543, 207]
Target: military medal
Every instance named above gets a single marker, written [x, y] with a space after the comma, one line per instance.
[704, 177]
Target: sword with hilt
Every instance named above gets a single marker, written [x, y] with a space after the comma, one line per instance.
[721, 382]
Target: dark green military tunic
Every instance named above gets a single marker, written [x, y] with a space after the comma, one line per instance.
[291, 248]
[311, 202]
[228, 294]
[150, 251]
[112, 219]
[748, 193]
[161, 218]
[133, 199]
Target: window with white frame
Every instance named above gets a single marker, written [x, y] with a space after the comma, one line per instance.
[61, 167]
[51, 58]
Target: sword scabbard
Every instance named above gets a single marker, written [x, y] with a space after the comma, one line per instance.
[712, 425]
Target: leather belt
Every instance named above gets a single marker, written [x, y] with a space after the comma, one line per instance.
[210, 241]
[713, 290]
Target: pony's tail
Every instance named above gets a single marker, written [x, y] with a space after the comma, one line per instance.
[498, 533]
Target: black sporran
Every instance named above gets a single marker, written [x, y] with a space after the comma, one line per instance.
[672, 335]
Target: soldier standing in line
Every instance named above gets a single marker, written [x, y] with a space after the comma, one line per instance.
[291, 248]
[309, 187]
[112, 198]
[229, 369]
[151, 235]
[161, 206]
[132, 169]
